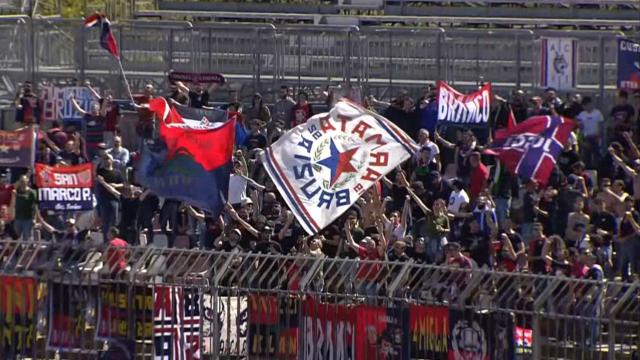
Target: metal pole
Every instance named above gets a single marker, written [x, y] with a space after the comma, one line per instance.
[299, 61]
[478, 60]
[438, 56]
[347, 60]
[170, 51]
[518, 62]
[601, 77]
[390, 65]
[256, 61]
[83, 54]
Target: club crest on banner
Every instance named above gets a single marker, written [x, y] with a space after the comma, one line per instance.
[323, 166]
[468, 341]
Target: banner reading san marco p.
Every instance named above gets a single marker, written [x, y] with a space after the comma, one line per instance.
[456, 108]
[67, 188]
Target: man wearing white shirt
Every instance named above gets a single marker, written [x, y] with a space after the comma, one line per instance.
[425, 142]
[119, 153]
[458, 197]
[238, 185]
[591, 120]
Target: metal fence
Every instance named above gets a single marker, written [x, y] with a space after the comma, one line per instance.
[82, 300]
[259, 57]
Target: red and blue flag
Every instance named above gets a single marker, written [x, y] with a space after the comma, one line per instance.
[530, 149]
[188, 162]
[107, 40]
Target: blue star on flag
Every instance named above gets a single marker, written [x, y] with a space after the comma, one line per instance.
[339, 162]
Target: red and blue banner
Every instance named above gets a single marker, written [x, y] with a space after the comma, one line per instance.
[65, 188]
[176, 323]
[530, 149]
[17, 147]
[323, 166]
[628, 64]
[188, 162]
[456, 108]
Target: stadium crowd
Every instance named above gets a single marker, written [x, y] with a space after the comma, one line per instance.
[449, 204]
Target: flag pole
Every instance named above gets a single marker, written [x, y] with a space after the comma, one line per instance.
[126, 82]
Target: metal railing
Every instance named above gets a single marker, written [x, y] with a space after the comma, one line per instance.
[258, 57]
[564, 317]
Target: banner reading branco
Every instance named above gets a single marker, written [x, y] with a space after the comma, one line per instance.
[324, 165]
[204, 78]
[68, 188]
[17, 147]
[463, 109]
[628, 64]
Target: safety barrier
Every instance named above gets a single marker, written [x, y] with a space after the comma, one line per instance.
[86, 299]
[261, 57]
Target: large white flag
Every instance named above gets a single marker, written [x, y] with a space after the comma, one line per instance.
[323, 166]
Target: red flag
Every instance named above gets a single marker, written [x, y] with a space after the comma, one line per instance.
[531, 148]
[107, 40]
[511, 121]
